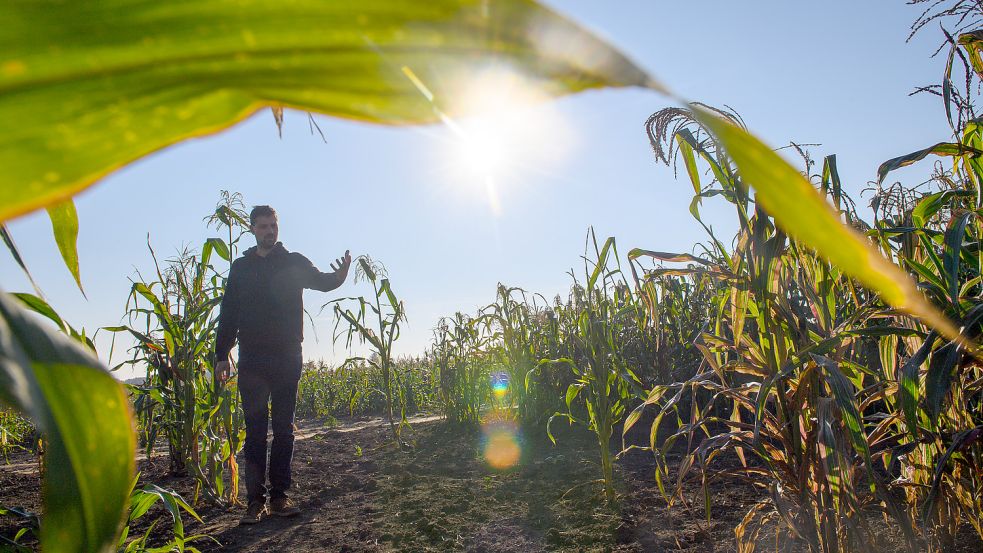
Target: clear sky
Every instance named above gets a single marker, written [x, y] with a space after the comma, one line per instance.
[837, 73]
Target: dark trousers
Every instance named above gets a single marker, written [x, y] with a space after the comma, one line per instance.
[268, 388]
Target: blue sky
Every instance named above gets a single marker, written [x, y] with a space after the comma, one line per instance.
[834, 73]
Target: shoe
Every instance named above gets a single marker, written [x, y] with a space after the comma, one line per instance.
[283, 507]
[254, 512]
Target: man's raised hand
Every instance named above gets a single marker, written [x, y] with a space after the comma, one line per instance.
[341, 266]
[222, 369]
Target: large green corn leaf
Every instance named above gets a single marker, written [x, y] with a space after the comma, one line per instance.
[84, 414]
[803, 213]
[86, 87]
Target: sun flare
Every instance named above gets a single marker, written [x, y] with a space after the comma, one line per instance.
[484, 149]
[505, 133]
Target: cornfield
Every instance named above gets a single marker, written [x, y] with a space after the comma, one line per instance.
[354, 389]
[835, 357]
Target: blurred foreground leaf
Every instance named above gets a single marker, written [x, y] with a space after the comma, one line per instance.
[87, 87]
[84, 414]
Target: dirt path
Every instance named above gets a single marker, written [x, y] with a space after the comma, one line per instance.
[333, 481]
[20, 463]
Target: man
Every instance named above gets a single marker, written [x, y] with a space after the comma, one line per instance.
[263, 307]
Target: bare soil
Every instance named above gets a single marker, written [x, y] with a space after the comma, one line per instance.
[358, 492]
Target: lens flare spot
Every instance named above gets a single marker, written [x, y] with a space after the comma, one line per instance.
[500, 385]
[502, 449]
[502, 443]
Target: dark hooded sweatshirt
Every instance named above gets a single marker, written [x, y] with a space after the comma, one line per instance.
[263, 305]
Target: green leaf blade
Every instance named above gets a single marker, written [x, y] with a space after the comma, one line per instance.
[98, 85]
[91, 451]
[84, 413]
[805, 215]
[65, 226]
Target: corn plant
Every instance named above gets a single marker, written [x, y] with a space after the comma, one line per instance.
[353, 389]
[553, 337]
[511, 323]
[141, 500]
[441, 355]
[780, 318]
[15, 432]
[463, 366]
[179, 398]
[605, 382]
[679, 303]
[935, 234]
[375, 321]
[844, 401]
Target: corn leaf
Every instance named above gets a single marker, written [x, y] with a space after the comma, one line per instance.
[908, 389]
[65, 226]
[87, 87]
[84, 414]
[928, 206]
[803, 213]
[218, 246]
[954, 237]
[940, 149]
[8, 241]
[41, 307]
[938, 380]
[843, 393]
[973, 42]
[666, 256]
[961, 440]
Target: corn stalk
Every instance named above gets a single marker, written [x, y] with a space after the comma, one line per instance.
[604, 382]
[375, 321]
[179, 398]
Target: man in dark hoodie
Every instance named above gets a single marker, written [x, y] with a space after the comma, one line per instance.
[263, 307]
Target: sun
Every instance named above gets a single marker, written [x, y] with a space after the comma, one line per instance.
[503, 132]
[484, 148]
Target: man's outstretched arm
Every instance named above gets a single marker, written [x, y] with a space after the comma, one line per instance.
[325, 282]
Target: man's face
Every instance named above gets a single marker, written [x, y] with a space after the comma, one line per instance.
[265, 230]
